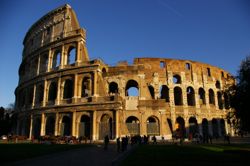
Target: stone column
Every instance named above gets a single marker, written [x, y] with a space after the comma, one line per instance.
[38, 65]
[34, 96]
[117, 124]
[95, 84]
[216, 99]
[94, 130]
[62, 58]
[78, 54]
[31, 127]
[42, 133]
[75, 95]
[56, 124]
[50, 59]
[44, 93]
[58, 98]
[74, 124]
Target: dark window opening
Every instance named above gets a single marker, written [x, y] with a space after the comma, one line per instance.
[188, 66]
[178, 96]
[152, 91]
[190, 96]
[164, 93]
[68, 89]
[176, 79]
[113, 88]
[208, 72]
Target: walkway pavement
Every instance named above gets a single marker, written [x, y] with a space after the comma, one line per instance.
[90, 156]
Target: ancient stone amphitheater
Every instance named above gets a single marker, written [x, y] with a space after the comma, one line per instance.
[62, 92]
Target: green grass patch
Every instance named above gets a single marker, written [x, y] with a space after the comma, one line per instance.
[15, 152]
[188, 155]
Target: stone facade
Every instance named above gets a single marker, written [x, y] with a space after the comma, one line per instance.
[62, 92]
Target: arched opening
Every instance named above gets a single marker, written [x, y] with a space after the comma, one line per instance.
[37, 128]
[104, 72]
[50, 126]
[86, 87]
[205, 128]
[66, 126]
[226, 101]
[217, 84]
[133, 125]
[222, 127]
[85, 127]
[176, 79]
[188, 66]
[219, 99]
[30, 95]
[202, 98]
[178, 96]
[153, 127]
[190, 96]
[211, 97]
[113, 88]
[170, 125]
[152, 91]
[71, 56]
[68, 89]
[52, 91]
[215, 128]
[56, 59]
[132, 88]
[193, 127]
[180, 131]
[39, 94]
[43, 63]
[164, 93]
[106, 127]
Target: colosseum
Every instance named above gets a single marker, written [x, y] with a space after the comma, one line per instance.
[62, 92]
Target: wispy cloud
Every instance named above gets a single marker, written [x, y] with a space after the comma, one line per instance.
[169, 7]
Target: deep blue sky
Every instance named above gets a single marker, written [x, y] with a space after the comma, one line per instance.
[210, 31]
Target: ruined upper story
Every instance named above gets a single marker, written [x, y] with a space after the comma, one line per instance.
[167, 70]
[52, 27]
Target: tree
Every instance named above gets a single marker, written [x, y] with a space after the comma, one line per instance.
[241, 95]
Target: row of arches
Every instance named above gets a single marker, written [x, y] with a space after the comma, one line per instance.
[132, 89]
[85, 89]
[45, 62]
[153, 126]
[215, 127]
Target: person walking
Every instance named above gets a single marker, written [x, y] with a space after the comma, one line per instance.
[106, 142]
[118, 144]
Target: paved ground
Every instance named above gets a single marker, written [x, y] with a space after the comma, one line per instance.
[91, 156]
[95, 156]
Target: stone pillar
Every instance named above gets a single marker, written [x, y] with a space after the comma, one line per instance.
[42, 133]
[58, 98]
[38, 65]
[44, 93]
[34, 96]
[57, 124]
[74, 124]
[95, 84]
[50, 59]
[31, 127]
[117, 124]
[216, 99]
[78, 54]
[94, 129]
[62, 58]
[75, 95]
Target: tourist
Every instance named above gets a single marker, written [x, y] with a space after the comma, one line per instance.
[106, 142]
